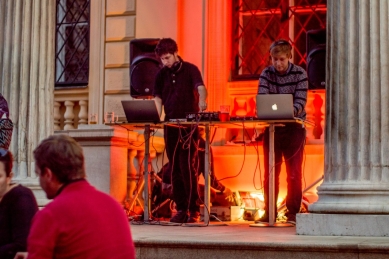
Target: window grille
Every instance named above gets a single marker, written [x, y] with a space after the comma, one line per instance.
[257, 23]
[72, 43]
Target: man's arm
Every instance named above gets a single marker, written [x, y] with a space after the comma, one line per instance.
[300, 94]
[158, 102]
[202, 97]
[263, 83]
[42, 239]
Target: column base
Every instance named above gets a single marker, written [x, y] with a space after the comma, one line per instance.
[313, 224]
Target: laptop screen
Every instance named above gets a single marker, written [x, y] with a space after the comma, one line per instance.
[141, 111]
[275, 106]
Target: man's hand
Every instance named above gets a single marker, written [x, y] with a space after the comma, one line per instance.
[202, 105]
[158, 103]
[21, 255]
[202, 97]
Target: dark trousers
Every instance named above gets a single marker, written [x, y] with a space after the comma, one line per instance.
[199, 165]
[181, 149]
[289, 144]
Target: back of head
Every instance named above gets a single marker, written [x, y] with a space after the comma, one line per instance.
[165, 46]
[281, 47]
[63, 156]
[7, 159]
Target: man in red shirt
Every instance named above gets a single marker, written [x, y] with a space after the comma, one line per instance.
[81, 222]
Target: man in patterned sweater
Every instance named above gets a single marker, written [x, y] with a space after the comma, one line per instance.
[283, 77]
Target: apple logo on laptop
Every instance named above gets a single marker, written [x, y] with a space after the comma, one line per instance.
[274, 107]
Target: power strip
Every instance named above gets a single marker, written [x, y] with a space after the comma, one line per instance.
[177, 120]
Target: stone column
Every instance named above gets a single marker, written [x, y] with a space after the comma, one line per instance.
[27, 76]
[353, 199]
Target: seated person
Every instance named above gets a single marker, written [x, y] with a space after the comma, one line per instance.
[17, 208]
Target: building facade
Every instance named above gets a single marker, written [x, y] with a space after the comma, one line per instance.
[355, 100]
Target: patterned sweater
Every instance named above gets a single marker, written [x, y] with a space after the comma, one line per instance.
[294, 81]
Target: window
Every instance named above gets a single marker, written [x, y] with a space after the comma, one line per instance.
[257, 23]
[72, 43]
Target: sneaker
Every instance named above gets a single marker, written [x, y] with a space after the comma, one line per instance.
[291, 219]
[180, 217]
[263, 219]
[194, 217]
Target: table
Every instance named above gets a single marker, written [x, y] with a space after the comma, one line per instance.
[251, 124]
[207, 125]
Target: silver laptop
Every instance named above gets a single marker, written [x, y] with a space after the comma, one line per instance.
[141, 111]
[275, 106]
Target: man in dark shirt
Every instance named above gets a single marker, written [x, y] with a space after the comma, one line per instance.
[179, 87]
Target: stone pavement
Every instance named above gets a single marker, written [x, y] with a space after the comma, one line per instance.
[239, 240]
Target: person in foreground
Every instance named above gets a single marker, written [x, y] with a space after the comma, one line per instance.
[284, 77]
[80, 222]
[179, 87]
[17, 208]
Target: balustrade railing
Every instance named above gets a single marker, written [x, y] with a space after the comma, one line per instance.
[70, 109]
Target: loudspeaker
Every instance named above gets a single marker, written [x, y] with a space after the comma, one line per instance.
[316, 58]
[144, 66]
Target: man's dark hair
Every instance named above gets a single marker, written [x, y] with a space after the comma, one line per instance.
[63, 156]
[165, 46]
[7, 158]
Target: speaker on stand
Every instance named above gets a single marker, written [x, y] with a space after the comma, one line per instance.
[144, 66]
[316, 58]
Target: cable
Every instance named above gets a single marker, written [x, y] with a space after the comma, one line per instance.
[243, 162]
[272, 170]
[184, 141]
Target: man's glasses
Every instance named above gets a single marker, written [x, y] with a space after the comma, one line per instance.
[3, 152]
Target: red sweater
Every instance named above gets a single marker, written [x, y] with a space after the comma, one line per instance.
[81, 222]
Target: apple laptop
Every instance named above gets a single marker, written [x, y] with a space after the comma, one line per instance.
[141, 111]
[275, 107]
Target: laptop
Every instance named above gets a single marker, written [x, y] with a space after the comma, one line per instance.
[141, 111]
[275, 107]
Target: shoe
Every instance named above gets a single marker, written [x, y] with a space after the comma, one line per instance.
[291, 219]
[180, 217]
[263, 219]
[194, 217]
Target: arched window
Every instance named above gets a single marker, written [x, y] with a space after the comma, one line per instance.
[257, 23]
[72, 43]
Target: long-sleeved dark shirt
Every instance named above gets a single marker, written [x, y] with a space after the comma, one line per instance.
[17, 208]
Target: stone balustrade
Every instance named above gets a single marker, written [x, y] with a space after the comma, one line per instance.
[70, 109]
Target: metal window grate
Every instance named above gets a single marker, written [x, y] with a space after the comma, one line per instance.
[257, 23]
[72, 43]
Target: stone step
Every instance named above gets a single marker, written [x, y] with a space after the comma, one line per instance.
[239, 240]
